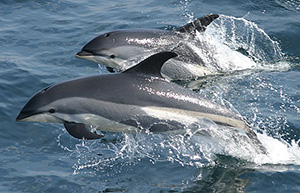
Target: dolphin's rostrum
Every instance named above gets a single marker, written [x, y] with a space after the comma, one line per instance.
[134, 100]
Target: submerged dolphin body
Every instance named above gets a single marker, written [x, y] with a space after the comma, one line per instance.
[135, 100]
[124, 48]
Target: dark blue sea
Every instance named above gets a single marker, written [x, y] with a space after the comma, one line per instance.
[38, 43]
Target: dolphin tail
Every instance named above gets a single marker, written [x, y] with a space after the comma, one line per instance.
[199, 24]
[79, 131]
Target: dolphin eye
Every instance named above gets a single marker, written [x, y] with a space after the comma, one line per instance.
[112, 56]
[106, 35]
[51, 111]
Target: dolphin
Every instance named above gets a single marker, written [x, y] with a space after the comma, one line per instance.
[136, 100]
[124, 48]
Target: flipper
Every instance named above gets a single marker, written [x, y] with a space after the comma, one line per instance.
[156, 62]
[199, 24]
[79, 130]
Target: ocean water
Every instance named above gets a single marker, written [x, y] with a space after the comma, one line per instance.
[256, 44]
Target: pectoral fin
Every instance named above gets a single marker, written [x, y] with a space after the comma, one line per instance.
[80, 131]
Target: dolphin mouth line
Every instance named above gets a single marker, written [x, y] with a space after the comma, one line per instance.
[87, 54]
[24, 115]
[84, 54]
[100, 59]
[78, 56]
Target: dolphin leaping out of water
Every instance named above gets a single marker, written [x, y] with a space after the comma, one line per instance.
[138, 99]
[124, 48]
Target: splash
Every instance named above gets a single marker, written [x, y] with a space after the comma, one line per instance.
[279, 151]
[198, 146]
[239, 35]
[233, 44]
[184, 6]
[245, 36]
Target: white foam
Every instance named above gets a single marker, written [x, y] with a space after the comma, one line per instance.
[222, 44]
[279, 151]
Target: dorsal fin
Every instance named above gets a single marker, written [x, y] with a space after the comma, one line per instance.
[199, 24]
[152, 65]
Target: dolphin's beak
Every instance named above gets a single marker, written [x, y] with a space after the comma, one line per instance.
[83, 54]
[27, 111]
[23, 115]
[19, 117]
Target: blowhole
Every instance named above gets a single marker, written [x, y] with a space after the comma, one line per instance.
[45, 89]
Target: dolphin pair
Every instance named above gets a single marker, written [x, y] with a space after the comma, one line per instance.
[138, 99]
[124, 48]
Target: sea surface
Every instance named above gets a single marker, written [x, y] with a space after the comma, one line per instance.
[38, 43]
